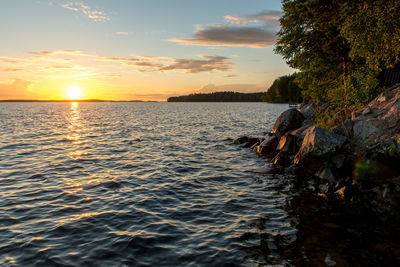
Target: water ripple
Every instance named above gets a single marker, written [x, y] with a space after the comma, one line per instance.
[138, 184]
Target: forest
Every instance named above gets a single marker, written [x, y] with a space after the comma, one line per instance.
[218, 97]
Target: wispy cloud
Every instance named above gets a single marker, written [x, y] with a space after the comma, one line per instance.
[56, 52]
[163, 64]
[122, 33]
[96, 15]
[271, 17]
[237, 32]
[10, 70]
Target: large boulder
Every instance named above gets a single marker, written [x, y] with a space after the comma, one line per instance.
[319, 146]
[288, 120]
[300, 133]
[344, 128]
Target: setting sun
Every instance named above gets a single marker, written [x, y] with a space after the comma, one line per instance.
[74, 93]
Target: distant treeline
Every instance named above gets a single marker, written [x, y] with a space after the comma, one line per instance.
[219, 97]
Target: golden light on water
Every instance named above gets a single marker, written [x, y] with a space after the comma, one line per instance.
[74, 93]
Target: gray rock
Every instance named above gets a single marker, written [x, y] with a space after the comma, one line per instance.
[368, 132]
[288, 120]
[308, 111]
[345, 129]
[318, 146]
[307, 122]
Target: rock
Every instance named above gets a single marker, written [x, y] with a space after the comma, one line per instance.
[318, 146]
[355, 115]
[366, 111]
[338, 160]
[341, 192]
[251, 141]
[308, 111]
[240, 140]
[345, 129]
[300, 133]
[369, 132]
[268, 146]
[288, 143]
[254, 147]
[281, 159]
[288, 120]
[291, 170]
[307, 122]
[326, 174]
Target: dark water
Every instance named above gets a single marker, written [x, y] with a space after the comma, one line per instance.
[156, 184]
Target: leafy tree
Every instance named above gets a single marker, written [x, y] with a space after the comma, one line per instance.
[283, 90]
[340, 46]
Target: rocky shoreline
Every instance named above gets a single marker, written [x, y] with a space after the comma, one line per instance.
[356, 161]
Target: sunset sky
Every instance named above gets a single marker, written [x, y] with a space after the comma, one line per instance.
[137, 49]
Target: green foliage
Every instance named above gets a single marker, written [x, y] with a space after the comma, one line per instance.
[372, 29]
[339, 46]
[218, 97]
[283, 90]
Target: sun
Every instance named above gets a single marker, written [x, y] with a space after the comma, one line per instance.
[74, 93]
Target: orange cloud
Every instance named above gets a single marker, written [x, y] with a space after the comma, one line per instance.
[15, 90]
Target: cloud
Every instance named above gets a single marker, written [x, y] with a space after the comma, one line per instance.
[122, 33]
[15, 90]
[56, 52]
[209, 63]
[271, 17]
[96, 15]
[255, 37]
[163, 64]
[10, 70]
[237, 32]
[230, 76]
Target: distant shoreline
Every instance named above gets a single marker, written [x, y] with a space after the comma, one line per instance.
[81, 100]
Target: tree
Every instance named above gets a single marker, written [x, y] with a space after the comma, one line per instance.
[340, 46]
[283, 90]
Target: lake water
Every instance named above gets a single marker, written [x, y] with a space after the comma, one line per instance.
[136, 184]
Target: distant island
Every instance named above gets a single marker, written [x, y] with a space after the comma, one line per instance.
[219, 97]
[78, 100]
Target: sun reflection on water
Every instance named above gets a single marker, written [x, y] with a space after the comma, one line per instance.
[74, 125]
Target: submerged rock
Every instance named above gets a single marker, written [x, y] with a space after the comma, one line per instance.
[240, 140]
[251, 141]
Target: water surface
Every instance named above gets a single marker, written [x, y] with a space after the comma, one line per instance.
[156, 184]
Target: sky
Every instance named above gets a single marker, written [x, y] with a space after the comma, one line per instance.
[137, 49]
